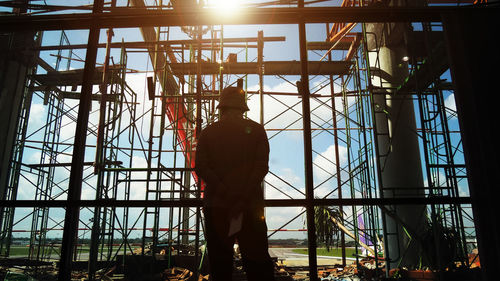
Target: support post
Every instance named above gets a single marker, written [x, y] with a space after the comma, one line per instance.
[337, 160]
[303, 87]
[199, 121]
[100, 159]
[75, 179]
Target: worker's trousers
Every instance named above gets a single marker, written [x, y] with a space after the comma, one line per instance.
[252, 241]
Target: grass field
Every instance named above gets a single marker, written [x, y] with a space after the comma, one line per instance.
[334, 252]
[23, 251]
[19, 251]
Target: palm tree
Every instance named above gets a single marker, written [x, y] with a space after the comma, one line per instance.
[328, 221]
[327, 230]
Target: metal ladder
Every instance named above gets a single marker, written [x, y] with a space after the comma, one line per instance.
[440, 162]
[14, 171]
[380, 132]
[45, 177]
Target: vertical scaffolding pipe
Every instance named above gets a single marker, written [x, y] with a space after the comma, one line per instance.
[260, 61]
[303, 87]
[198, 132]
[337, 166]
[370, 212]
[99, 157]
[75, 179]
[99, 162]
[368, 62]
[337, 160]
[221, 50]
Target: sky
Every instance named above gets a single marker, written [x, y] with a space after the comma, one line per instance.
[286, 156]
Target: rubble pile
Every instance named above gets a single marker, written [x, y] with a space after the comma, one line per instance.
[364, 270]
[177, 274]
[20, 269]
[155, 268]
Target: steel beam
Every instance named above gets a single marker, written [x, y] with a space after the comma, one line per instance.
[141, 18]
[151, 44]
[71, 219]
[192, 202]
[303, 88]
[75, 77]
[270, 68]
[343, 43]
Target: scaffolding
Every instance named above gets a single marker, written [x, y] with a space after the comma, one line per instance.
[137, 199]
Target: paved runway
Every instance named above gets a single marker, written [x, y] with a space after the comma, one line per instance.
[289, 258]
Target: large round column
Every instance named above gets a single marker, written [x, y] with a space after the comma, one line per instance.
[397, 139]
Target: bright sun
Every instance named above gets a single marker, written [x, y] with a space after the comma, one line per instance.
[226, 7]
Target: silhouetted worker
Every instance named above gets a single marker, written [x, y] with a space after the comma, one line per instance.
[232, 158]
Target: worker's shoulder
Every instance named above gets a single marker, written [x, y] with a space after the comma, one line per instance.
[210, 128]
[252, 123]
[234, 122]
[255, 127]
[235, 125]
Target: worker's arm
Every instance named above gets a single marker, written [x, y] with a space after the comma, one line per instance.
[202, 167]
[259, 170]
[261, 164]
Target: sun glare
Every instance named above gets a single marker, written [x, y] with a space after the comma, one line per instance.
[225, 7]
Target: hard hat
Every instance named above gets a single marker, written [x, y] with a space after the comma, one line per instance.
[233, 97]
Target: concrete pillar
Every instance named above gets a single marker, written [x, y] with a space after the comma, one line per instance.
[13, 70]
[400, 163]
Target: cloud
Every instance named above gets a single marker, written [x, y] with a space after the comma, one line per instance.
[88, 193]
[449, 102]
[284, 183]
[285, 111]
[281, 218]
[68, 128]
[451, 109]
[138, 188]
[37, 114]
[26, 187]
[324, 166]
[276, 186]
[440, 180]
[325, 163]
[138, 83]
[278, 112]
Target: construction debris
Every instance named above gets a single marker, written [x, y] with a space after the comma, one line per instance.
[176, 274]
[12, 276]
[21, 269]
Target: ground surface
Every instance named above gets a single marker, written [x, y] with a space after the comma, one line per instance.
[290, 258]
[287, 256]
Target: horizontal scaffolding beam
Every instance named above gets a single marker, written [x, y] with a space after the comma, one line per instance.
[145, 45]
[74, 77]
[192, 17]
[343, 44]
[270, 68]
[268, 202]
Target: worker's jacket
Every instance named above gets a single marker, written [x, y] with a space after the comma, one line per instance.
[232, 159]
